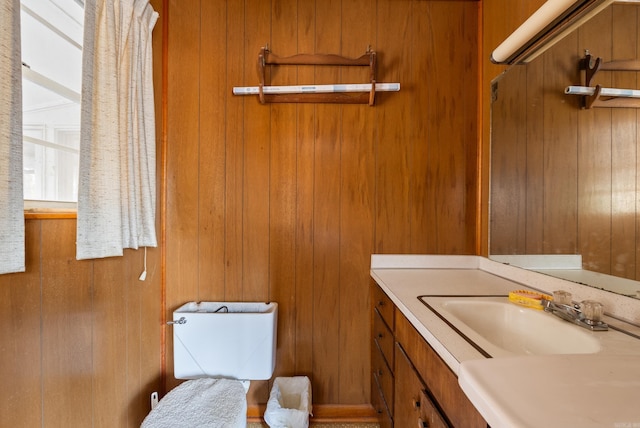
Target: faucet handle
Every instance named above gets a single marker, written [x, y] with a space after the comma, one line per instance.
[562, 297]
[592, 310]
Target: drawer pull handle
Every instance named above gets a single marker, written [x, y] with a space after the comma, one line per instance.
[422, 424]
[381, 303]
[379, 372]
[416, 404]
[380, 335]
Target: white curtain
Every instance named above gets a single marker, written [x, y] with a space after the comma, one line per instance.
[117, 184]
[11, 193]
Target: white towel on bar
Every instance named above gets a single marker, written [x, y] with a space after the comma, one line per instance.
[211, 403]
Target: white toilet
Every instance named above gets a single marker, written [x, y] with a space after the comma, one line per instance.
[220, 347]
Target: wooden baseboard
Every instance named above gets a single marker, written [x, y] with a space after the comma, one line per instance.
[326, 413]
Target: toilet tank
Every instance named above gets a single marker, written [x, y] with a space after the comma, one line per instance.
[225, 339]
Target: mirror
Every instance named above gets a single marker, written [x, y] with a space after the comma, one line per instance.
[565, 180]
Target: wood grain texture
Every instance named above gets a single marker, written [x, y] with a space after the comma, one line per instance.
[211, 151]
[593, 146]
[311, 190]
[572, 190]
[499, 18]
[182, 163]
[304, 226]
[624, 155]
[326, 214]
[441, 381]
[262, 202]
[20, 339]
[80, 341]
[357, 190]
[66, 328]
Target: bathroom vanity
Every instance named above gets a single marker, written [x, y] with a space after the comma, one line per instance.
[428, 370]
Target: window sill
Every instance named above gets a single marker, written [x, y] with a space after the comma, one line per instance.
[41, 214]
[49, 210]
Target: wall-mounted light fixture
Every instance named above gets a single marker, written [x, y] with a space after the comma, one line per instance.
[549, 24]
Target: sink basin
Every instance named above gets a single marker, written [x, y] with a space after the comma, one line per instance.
[500, 328]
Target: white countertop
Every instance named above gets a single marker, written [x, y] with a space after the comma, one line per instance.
[555, 391]
[568, 390]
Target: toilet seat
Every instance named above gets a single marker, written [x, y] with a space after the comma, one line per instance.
[206, 402]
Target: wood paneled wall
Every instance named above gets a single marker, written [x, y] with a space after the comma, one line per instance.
[287, 202]
[79, 340]
[499, 19]
[279, 202]
[565, 178]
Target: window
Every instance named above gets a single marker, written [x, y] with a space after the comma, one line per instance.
[52, 32]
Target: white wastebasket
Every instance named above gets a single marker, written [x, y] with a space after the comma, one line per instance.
[289, 404]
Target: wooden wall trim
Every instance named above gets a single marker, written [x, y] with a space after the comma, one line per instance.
[48, 215]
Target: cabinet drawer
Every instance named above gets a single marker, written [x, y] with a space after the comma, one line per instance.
[383, 337]
[413, 407]
[430, 416]
[383, 304]
[381, 408]
[384, 378]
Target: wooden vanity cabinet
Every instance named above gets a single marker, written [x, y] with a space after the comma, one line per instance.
[413, 407]
[382, 356]
[411, 386]
[440, 381]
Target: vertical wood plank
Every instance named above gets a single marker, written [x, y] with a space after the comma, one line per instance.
[256, 174]
[393, 232]
[257, 125]
[326, 241]
[20, 335]
[149, 324]
[67, 306]
[182, 160]
[211, 155]
[422, 64]
[467, 118]
[357, 187]
[594, 158]
[131, 265]
[111, 311]
[509, 165]
[623, 149]
[150, 316]
[305, 172]
[451, 121]
[560, 152]
[499, 18]
[282, 197]
[234, 158]
[535, 158]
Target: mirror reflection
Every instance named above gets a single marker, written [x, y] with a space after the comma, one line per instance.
[565, 180]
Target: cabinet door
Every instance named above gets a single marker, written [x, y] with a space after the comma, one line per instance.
[442, 382]
[413, 408]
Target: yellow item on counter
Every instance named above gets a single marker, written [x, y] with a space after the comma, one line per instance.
[529, 299]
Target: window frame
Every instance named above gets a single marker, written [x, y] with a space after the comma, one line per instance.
[52, 208]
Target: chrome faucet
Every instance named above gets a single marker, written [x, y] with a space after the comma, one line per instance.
[583, 315]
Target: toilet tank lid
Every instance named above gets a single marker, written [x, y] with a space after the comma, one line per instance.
[227, 307]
